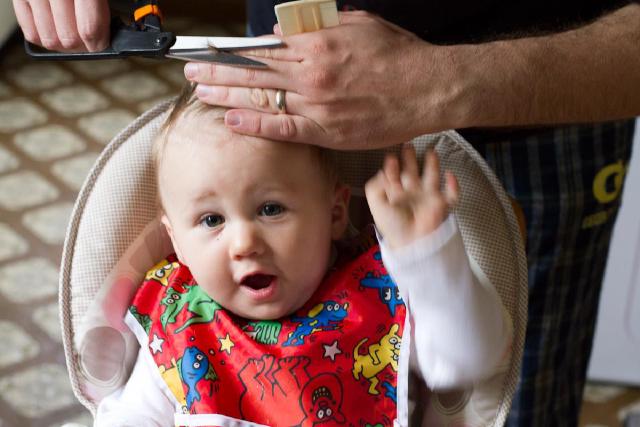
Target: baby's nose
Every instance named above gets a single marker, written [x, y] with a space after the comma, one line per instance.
[246, 241]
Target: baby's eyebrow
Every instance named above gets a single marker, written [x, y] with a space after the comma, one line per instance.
[209, 194]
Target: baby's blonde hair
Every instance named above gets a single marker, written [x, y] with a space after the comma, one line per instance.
[188, 103]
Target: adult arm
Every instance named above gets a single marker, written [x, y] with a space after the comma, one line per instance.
[591, 73]
[367, 83]
[64, 25]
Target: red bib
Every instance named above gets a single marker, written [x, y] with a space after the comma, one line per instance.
[334, 362]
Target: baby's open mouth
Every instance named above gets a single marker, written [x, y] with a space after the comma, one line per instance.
[257, 281]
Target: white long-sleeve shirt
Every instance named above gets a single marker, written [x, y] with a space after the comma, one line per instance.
[456, 326]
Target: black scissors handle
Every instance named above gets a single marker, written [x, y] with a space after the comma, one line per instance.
[144, 37]
[125, 41]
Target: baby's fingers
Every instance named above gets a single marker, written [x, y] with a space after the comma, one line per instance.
[392, 182]
[431, 174]
[410, 175]
[375, 190]
[452, 189]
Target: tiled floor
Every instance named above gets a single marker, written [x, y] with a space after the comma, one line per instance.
[55, 118]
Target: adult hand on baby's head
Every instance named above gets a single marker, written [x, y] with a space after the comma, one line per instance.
[360, 84]
[405, 206]
[65, 25]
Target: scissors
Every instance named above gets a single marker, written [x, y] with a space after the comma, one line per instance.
[144, 37]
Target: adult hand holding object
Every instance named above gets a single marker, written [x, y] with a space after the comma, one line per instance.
[336, 95]
[367, 83]
[65, 25]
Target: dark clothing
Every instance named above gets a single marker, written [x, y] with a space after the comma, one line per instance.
[570, 219]
[458, 21]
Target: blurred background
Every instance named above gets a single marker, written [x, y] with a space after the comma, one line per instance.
[55, 118]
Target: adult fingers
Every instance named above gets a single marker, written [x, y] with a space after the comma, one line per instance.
[248, 98]
[276, 76]
[25, 19]
[64, 19]
[43, 21]
[93, 23]
[282, 53]
[281, 127]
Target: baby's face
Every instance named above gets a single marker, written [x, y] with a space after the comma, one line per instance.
[252, 219]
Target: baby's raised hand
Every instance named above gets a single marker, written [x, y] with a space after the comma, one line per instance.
[406, 206]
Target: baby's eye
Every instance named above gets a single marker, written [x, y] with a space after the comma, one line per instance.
[271, 209]
[212, 221]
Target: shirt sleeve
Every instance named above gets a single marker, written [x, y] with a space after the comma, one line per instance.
[459, 326]
[139, 403]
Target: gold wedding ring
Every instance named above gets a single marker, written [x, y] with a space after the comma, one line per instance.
[280, 101]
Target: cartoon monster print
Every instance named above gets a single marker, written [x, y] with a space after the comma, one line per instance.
[325, 316]
[387, 290]
[197, 302]
[194, 367]
[285, 383]
[263, 331]
[321, 399]
[171, 377]
[390, 391]
[143, 319]
[380, 355]
[162, 271]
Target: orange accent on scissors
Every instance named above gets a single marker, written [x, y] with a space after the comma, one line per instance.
[149, 9]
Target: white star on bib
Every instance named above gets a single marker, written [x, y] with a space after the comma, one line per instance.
[332, 350]
[156, 344]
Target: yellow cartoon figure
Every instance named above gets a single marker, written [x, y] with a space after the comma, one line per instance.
[161, 272]
[171, 376]
[386, 352]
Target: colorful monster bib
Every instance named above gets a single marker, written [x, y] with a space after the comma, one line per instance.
[334, 362]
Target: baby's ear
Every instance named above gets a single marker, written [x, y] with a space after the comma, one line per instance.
[340, 210]
[167, 225]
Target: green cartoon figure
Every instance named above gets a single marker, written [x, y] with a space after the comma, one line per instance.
[198, 303]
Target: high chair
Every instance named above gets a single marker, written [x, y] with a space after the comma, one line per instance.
[115, 236]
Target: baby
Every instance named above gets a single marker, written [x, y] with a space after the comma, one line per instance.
[268, 315]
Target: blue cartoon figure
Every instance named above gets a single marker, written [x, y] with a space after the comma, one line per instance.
[390, 391]
[387, 289]
[325, 316]
[194, 367]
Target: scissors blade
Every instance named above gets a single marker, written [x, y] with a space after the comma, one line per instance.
[224, 43]
[215, 56]
[215, 49]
